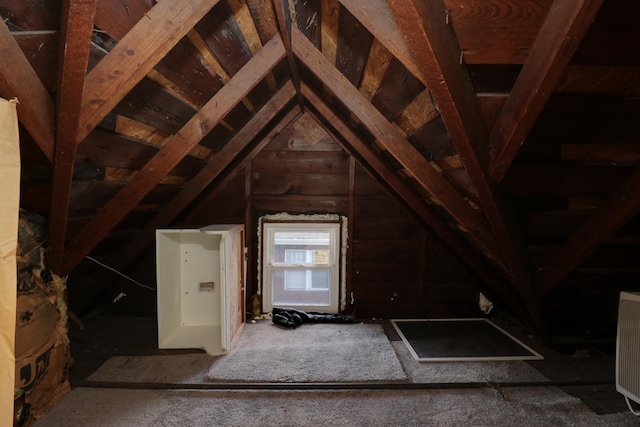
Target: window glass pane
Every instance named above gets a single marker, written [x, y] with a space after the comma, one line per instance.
[320, 279]
[302, 247]
[295, 256]
[294, 279]
[286, 290]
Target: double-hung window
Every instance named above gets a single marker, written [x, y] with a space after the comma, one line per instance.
[301, 266]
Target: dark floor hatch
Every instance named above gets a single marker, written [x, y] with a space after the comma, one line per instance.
[434, 340]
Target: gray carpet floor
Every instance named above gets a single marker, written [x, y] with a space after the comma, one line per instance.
[312, 353]
[547, 406]
[488, 405]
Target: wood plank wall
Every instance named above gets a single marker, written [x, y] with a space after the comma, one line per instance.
[389, 250]
[579, 151]
[398, 268]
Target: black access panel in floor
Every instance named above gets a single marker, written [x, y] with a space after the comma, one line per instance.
[449, 340]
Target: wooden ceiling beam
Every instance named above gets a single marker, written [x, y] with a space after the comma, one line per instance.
[620, 208]
[19, 80]
[263, 13]
[174, 150]
[214, 167]
[135, 55]
[293, 114]
[389, 136]
[284, 24]
[433, 45]
[76, 31]
[558, 39]
[496, 284]
[378, 18]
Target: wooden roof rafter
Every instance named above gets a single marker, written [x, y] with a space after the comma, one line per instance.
[135, 55]
[262, 12]
[394, 141]
[283, 15]
[214, 167]
[176, 148]
[76, 29]
[615, 212]
[288, 118]
[432, 44]
[566, 23]
[495, 283]
[378, 18]
[19, 80]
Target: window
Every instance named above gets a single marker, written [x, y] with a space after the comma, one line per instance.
[305, 279]
[301, 265]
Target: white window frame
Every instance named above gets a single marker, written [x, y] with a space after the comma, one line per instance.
[269, 229]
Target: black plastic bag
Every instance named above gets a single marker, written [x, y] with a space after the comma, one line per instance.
[292, 318]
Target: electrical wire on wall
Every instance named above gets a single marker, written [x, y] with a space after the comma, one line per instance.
[121, 294]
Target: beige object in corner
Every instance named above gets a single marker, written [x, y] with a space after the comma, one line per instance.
[9, 205]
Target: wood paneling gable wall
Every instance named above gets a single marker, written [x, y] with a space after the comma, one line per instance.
[393, 271]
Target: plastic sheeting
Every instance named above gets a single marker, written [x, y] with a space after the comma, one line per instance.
[292, 318]
[9, 212]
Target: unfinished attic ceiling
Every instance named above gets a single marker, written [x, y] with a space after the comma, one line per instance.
[504, 125]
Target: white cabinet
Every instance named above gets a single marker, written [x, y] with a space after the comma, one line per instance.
[200, 278]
